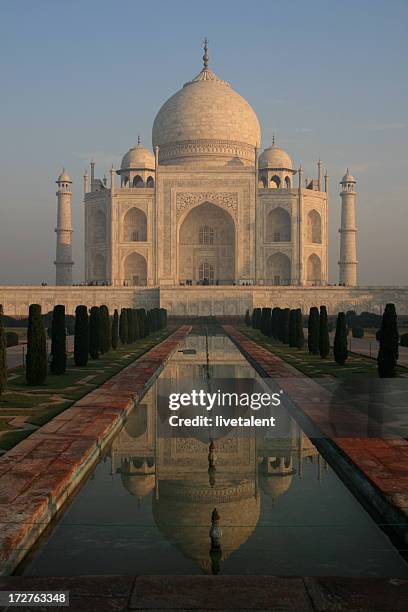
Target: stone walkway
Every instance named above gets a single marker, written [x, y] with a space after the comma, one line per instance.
[375, 465]
[262, 593]
[38, 474]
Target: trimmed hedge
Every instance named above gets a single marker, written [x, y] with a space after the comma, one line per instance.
[36, 358]
[81, 336]
[58, 363]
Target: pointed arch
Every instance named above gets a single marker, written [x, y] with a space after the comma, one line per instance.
[278, 225]
[314, 270]
[135, 269]
[314, 227]
[275, 182]
[278, 269]
[150, 181]
[135, 226]
[137, 181]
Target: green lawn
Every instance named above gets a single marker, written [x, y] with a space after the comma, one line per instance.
[313, 365]
[37, 405]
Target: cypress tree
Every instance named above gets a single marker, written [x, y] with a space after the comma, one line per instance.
[247, 319]
[285, 325]
[81, 336]
[3, 354]
[140, 322]
[253, 318]
[136, 331]
[313, 331]
[104, 329]
[275, 321]
[324, 340]
[300, 336]
[163, 312]
[130, 331]
[115, 330]
[148, 323]
[36, 359]
[340, 340]
[265, 320]
[58, 341]
[94, 332]
[293, 328]
[388, 339]
[123, 331]
[258, 316]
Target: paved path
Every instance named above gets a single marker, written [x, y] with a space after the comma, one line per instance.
[380, 460]
[38, 474]
[262, 593]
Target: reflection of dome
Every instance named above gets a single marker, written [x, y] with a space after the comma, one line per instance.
[136, 424]
[186, 522]
[275, 158]
[274, 486]
[138, 158]
[206, 121]
[138, 485]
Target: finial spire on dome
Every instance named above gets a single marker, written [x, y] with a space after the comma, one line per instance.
[205, 56]
[138, 139]
[273, 138]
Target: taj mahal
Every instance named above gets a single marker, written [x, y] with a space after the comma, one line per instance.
[207, 222]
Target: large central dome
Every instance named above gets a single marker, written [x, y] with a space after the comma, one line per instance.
[206, 122]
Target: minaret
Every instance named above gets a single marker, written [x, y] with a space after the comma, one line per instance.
[348, 253]
[63, 260]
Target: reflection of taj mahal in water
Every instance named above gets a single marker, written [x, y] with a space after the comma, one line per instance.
[175, 471]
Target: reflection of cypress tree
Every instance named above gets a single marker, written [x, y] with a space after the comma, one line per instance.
[94, 332]
[313, 331]
[340, 340]
[388, 338]
[324, 340]
[36, 359]
[3, 354]
[292, 328]
[300, 337]
[81, 336]
[58, 341]
[123, 332]
[115, 330]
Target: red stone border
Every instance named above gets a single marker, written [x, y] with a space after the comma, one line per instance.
[378, 465]
[39, 474]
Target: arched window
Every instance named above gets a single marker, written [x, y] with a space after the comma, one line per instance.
[99, 267]
[138, 181]
[125, 181]
[262, 182]
[99, 227]
[278, 226]
[150, 181]
[278, 269]
[275, 182]
[314, 270]
[206, 273]
[206, 235]
[314, 227]
[287, 182]
[135, 226]
[135, 270]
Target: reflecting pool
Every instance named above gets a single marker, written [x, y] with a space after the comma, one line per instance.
[148, 506]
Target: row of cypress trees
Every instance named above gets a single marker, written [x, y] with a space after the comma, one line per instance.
[96, 333]
[286, 325]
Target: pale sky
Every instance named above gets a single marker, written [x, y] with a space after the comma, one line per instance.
[81, 79]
